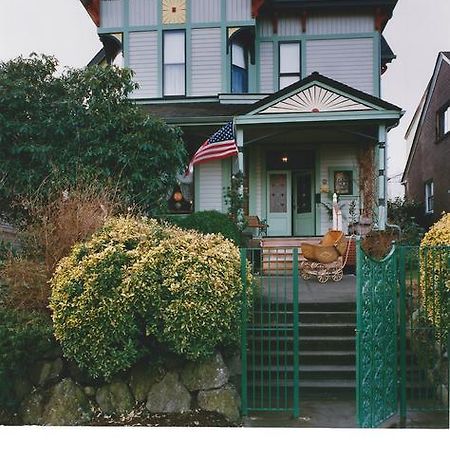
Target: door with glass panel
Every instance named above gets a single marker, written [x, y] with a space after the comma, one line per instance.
[279, 204]
[303, 203]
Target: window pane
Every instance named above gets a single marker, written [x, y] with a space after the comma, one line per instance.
[174, 79]
[239, 80]
[278, 193]
[447, 120]
[238, 58]
[174, 47]
[290, 58]
[288, 80]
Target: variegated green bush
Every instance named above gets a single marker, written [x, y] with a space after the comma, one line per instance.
[434, 275]
[137, 282]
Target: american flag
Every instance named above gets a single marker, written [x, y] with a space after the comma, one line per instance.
[220, 145]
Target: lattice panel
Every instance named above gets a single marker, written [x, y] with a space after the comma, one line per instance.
[315, 99]
[377, 340]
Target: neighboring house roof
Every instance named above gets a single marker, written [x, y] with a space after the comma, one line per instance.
[419, 116]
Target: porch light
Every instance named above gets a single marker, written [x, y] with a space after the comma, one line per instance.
[284, 159]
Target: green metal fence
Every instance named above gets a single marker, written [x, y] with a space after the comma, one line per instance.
[403, 318]
[270, 341]
[425, 306]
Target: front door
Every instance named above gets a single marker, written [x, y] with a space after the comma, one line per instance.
[303, 204]
[279, 205]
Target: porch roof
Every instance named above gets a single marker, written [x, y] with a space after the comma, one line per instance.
[319, 99]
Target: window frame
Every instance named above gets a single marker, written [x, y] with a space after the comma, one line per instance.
[289, 74]
[163, 65]
[429, 196]
[246, 69]
[443, 119]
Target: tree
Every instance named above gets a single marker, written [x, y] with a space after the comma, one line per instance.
[57, 128]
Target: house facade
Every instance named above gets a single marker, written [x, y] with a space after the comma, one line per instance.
[300, 80]
[426, 175]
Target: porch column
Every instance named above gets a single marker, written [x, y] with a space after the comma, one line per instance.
[382, 178]
[241, 171]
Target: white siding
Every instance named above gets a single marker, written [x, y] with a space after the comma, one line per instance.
[144, 63]
[336, 157]
[265, 28]
[289, 26]
[143, 12]
[258, 178]
[239, 10]
[111, 13]
[205, 11]
[210, 186]
[266, 67]
[340, 24]
[349, 61]
[206, 61]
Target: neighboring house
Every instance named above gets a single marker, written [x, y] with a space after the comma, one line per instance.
[427, 173]
[299, 79]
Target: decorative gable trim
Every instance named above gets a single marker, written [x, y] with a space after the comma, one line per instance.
[315, 99]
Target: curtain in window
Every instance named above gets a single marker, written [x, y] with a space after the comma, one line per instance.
[174, 63]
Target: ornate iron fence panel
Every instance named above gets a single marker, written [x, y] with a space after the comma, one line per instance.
[376, 334]
[270, 337]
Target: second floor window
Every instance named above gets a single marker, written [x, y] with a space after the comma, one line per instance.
[290, 71]
[174, 63]
[239, 69]
[443, 125]
[429, 197]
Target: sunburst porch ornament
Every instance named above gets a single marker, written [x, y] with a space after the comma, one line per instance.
[173, 11]
[315, 99]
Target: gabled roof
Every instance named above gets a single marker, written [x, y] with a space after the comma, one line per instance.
[319, 98]
[422, 109]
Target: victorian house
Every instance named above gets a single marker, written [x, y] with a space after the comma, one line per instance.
[298, 79]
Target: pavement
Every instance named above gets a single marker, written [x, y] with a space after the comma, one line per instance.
[340, 413]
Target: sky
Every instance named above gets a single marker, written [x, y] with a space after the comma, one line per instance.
[418, 30]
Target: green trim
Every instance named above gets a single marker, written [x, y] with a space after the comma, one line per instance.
[377, 65]
[318, 37]
[252, 185]
[188, 68]
[318, 117]
[263, 156]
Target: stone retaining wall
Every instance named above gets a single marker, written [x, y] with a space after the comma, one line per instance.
[57, 393]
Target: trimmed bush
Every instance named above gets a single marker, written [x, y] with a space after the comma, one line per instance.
[434, 276]
[210, 222]
[25, 337]
[136, 284]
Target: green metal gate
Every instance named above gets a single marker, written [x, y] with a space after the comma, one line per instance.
[376, 338]
[270, 337]
[403, 315]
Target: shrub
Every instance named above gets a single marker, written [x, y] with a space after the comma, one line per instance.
[55, 224]
[434, 276]
[25, 337]
[407, 214]
[188, 290]
[136, 284]
[211, 222]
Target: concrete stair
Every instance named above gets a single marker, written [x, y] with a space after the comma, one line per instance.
[327, 355]
[277, 253]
